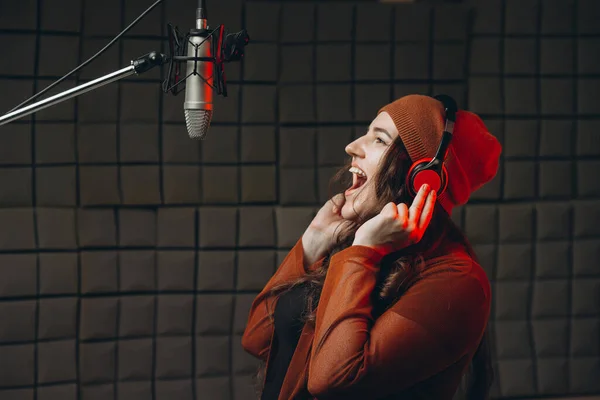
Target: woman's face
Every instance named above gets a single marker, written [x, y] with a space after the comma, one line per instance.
[367, 152]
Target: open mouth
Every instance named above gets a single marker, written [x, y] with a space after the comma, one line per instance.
[359, 178]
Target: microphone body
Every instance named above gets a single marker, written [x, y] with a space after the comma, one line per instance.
[198, 104]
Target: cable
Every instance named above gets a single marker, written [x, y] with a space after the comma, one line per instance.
[91, 58]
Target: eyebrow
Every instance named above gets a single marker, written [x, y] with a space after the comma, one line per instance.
[376, 129]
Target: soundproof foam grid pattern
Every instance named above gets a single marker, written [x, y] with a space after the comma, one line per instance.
[532, 73]
[129, 255]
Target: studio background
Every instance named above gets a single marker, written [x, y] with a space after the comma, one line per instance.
[130, 254]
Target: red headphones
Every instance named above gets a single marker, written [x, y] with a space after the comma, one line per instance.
[432, 170]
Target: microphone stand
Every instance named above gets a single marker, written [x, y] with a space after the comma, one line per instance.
[138, 66]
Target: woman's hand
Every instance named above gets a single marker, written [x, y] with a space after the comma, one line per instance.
[398, 226]
[321, 235]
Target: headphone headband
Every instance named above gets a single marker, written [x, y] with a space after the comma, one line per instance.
[449, 106]
[450, 110]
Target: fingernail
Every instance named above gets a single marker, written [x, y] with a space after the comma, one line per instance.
[425, 187]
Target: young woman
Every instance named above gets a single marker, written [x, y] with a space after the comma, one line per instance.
[382, 296]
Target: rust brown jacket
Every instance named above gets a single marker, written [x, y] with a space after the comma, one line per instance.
[417, 349]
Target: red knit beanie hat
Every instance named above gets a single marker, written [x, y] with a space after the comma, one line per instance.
[473, 154]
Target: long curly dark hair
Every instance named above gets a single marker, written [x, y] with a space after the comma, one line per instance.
[397, 273]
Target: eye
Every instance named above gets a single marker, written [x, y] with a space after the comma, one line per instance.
[379, 140]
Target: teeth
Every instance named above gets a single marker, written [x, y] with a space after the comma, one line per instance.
[358, 172]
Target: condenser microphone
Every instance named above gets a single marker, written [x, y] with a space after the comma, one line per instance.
[198, 104]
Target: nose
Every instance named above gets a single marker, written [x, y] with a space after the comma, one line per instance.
[355, 149]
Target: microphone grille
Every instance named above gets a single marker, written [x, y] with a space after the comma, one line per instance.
[197, 122]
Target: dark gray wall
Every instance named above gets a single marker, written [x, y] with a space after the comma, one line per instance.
[129, 254]
[533, 72]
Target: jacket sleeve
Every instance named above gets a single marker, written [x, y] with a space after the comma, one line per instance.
[435, 323]
[259, 328]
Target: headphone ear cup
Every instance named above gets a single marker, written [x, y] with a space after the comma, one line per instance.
[419, 175]
[413, 173]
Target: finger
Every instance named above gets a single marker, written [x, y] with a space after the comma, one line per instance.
[403, 215]
[427, 211]
[339, 197]
[418, 204]
[338, 202]
[390, 210]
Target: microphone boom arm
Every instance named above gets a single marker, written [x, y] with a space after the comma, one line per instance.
[138, 66]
